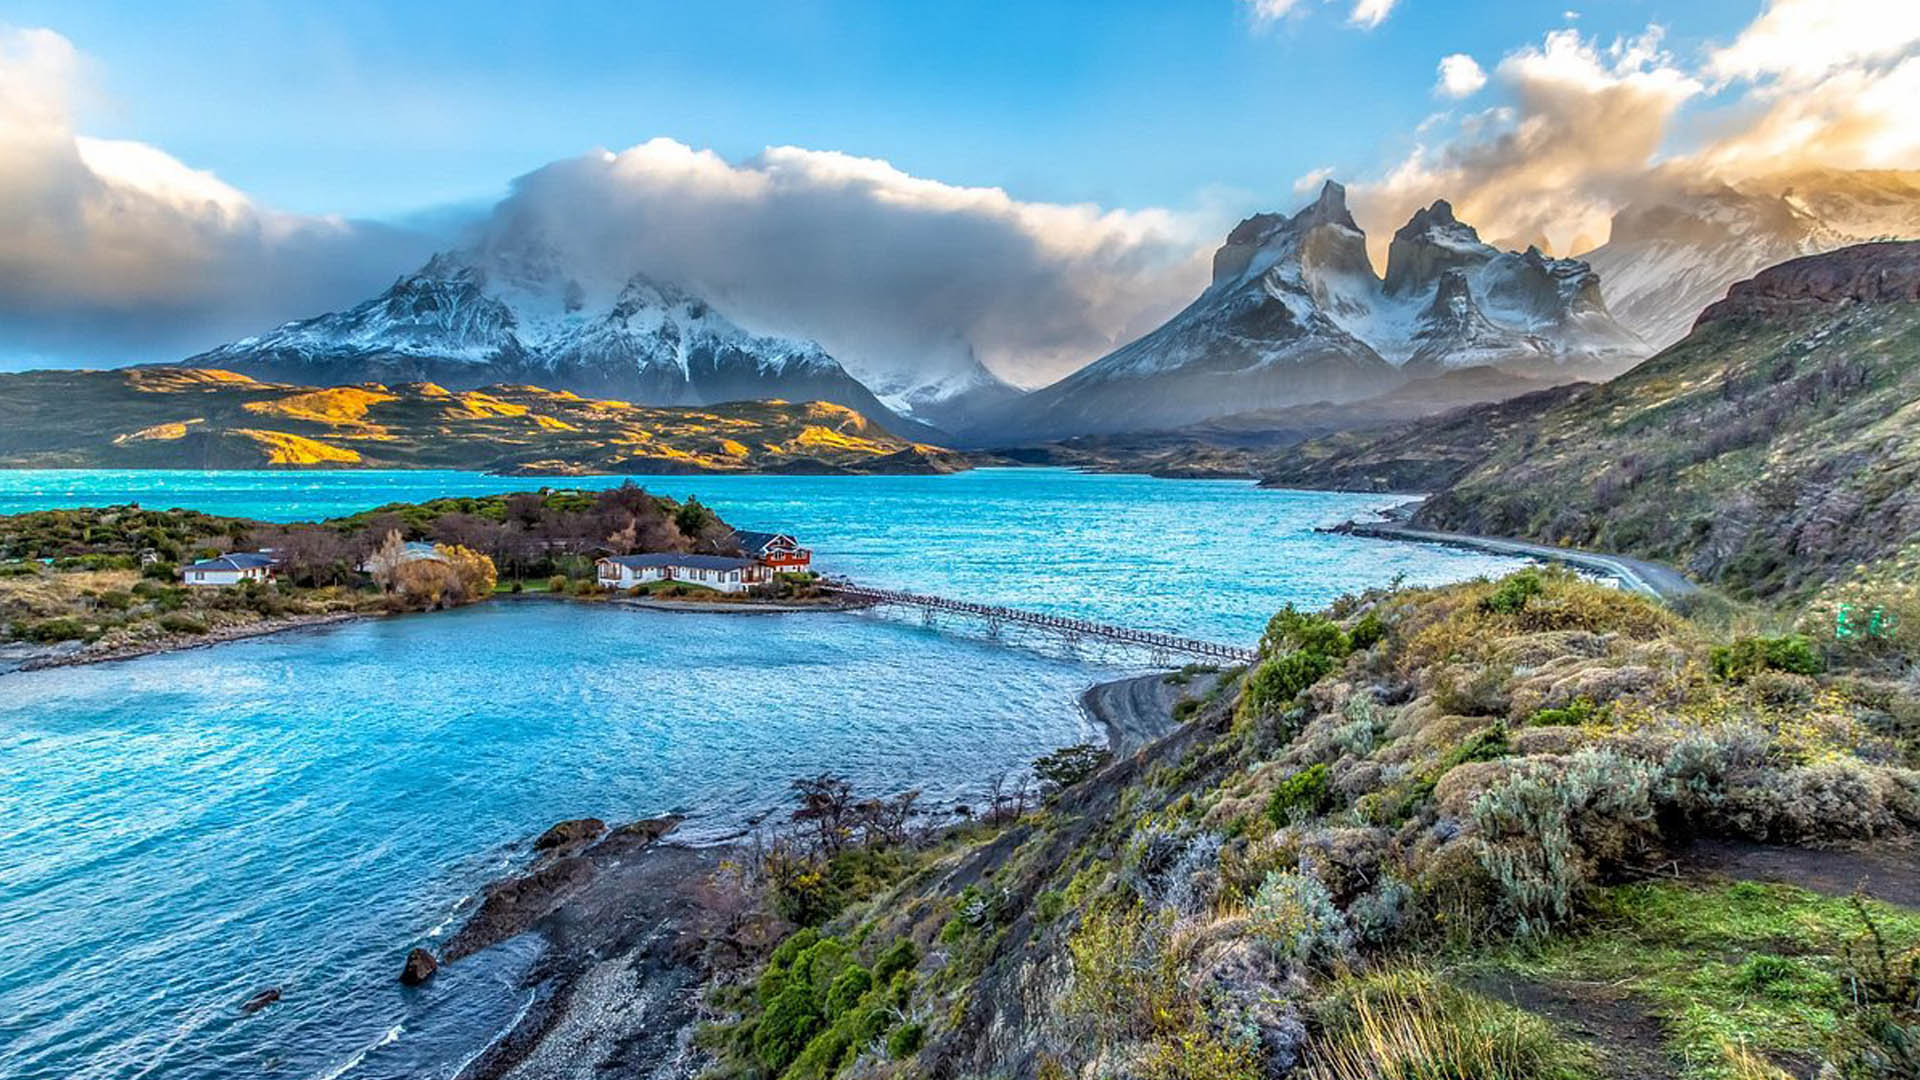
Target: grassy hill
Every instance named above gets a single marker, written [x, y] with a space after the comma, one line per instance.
[210, 419]
[1771, 451]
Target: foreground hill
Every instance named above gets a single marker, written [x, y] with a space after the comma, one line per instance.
[212, 419]
[1295, 314]
[1771, 450]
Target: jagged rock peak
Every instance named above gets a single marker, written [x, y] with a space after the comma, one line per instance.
[1261, 230]
[1329, 209]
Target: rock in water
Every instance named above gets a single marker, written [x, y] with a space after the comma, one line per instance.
[261, 1000]
[569, 834]
[419, 968]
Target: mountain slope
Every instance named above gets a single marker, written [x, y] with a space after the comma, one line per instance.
[1771, 450]
[472, 319]
[1295, 314]
[213, 419]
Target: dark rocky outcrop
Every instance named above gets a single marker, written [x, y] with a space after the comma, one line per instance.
[419, 967]
[575, 833]
[1866, 274]
[261, 1000]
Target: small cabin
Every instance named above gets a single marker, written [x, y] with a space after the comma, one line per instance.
[718, 572]
[779, 551]
[230, 569]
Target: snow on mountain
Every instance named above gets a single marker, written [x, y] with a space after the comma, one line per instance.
[1668, 258]
[514, 315]
[1295, 314]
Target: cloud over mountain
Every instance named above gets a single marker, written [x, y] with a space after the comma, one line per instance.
[1587, 126]
[116, 251]
[886, 269]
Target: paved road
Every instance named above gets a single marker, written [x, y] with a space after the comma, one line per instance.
[1654, 579]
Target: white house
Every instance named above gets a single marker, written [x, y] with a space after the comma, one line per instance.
[229, 569]
[717, 572]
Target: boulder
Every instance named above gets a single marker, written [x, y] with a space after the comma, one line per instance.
[419, 968]
[570, 834]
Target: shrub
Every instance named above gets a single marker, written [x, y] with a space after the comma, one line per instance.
[1304, 794]
[847, 989]
[557, 583]
[1513, 592]
[1747, 657]
[1069, 765]
[900, 956]
[1367, 633]
[905, 1041]
[1278, 681]
[786, 1027]
[1579, 711]
[1487, 744]
[50, 630]
[160, 571]
[1295, 914]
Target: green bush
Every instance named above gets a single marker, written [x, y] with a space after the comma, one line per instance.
[179, 622]
[786, 1027]
[1579, 711]
[1367, 633]
[160, 571]
[905, 1041]
[50, 630]
[19, 569]
[847, 990]
[114, 600]
[900, 956]
[1487, 744]
[1069, 765]
[557, 583]
[1511, 597]
[1305, 793]
[1747, 657]
[1276, 682]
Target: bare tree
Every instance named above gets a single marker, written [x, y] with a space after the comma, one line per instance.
[826, 810]
[387, 559]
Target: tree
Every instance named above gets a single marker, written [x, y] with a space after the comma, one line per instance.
[387, 559]
[826, 809]
[1069, 765]
[476, 572]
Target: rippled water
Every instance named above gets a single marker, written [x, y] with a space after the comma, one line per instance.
[181, 831]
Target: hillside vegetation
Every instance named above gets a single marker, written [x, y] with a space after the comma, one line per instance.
[1771, 451]
[204, 418]
[1431, 833]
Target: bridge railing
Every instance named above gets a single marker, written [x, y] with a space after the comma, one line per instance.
[1151, 639]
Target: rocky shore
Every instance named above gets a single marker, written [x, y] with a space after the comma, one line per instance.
[66, 655]
[625, 914]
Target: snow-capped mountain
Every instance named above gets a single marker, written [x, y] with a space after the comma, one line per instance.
[1669, 257]
[948, 388]
[471, 319]
[1295, 314]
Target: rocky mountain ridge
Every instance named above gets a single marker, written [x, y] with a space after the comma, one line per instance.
[1295, 314]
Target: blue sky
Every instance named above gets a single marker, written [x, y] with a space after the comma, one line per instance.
[380, 109]
[915, 185]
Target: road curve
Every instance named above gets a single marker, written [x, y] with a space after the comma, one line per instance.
[1657, 580]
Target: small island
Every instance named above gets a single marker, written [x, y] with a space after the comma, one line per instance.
[112, 582]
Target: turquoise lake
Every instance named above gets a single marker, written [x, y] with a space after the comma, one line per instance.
[180, 831]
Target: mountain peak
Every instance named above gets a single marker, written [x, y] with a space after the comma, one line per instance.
[1330, 208]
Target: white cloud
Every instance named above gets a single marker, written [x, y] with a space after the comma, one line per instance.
[890, 271]
[1586, 127]
[1310, 181]
[1270, 11]
[1460, 76]
[1798, 41]
[116, 249]
[1370, 13]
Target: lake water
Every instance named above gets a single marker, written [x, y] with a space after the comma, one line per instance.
[180, 831]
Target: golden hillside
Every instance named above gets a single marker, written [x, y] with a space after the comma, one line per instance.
[209, 419]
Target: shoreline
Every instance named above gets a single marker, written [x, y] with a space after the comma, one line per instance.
[266, 627]
[617, 988]
[1662, 583]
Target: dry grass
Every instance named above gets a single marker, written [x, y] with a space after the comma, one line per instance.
[1405, 1024]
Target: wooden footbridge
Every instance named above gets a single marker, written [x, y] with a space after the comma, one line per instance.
[1162, 646]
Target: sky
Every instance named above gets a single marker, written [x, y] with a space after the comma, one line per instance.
[1029, 183]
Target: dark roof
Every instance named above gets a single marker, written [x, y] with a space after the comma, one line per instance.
[756, 542]
[239, 560]
[696, 562]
